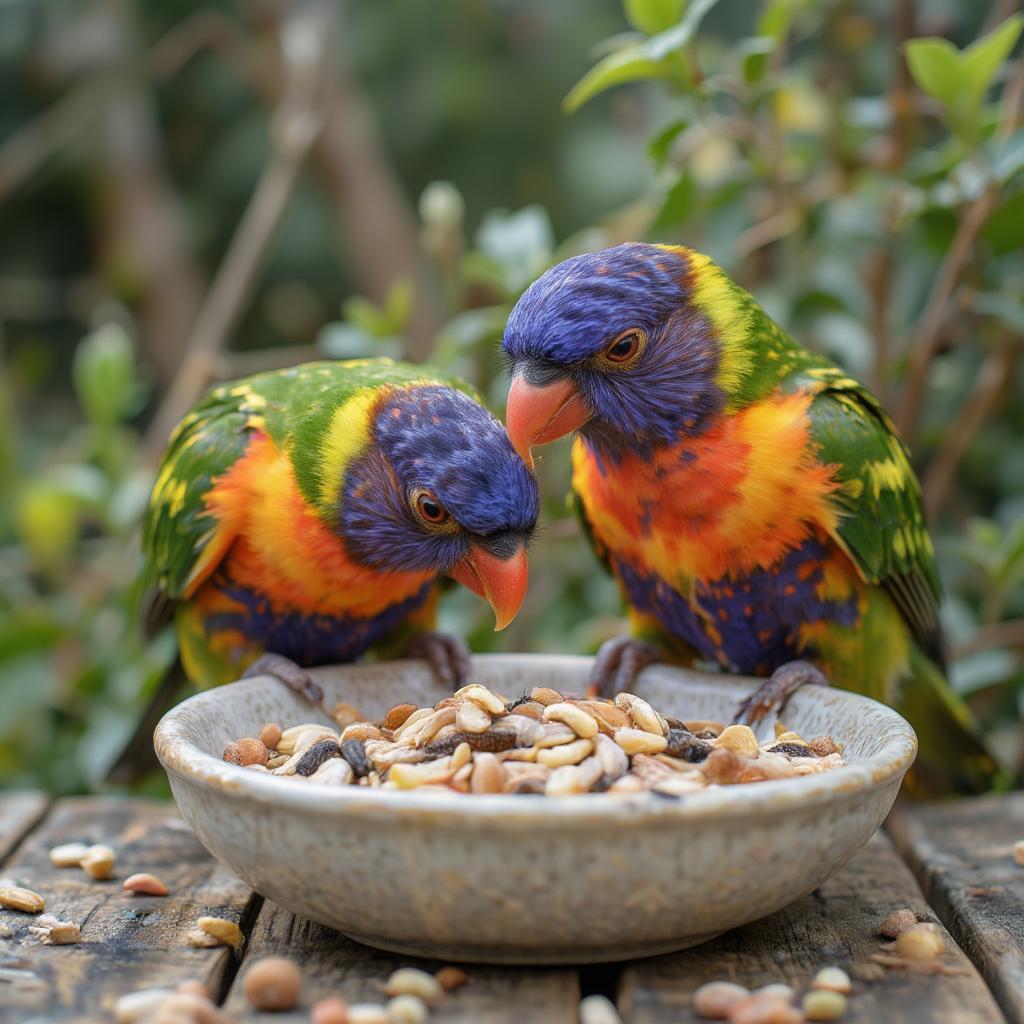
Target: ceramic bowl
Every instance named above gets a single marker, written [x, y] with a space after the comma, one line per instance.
[528, 879]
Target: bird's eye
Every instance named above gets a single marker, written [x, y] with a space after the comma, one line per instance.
[626, 347]
[429, 509]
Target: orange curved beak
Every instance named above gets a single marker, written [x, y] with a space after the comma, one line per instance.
[500, 581]
[536, 416]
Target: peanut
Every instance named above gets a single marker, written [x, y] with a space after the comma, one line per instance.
[411, 981]
[920, 942]
[272, 983]
[716, 999]
[227, 933]
[145, 884]
[68, 855]
[99, 861]
[824, 1004]
[246, 751]
[270, 735]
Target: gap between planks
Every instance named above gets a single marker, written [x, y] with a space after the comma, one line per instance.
[128, 942]
[962, 855]
[837, 925]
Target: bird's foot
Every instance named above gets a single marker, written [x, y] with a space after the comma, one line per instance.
[291, 674]
[447, 655]
[773, 693]
[618, 663]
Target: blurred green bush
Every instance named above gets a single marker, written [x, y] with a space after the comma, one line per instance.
[862, 179]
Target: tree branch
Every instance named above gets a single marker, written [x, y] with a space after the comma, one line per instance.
[296, 125]
[988, 385]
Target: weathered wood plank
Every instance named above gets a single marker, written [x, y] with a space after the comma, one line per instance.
[334, 965]
[18, 813]
[128, 942]
[961, 855]
[836, 925]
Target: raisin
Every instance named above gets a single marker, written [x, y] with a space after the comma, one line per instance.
[354, 752]
[791, 750]
[683, 744]
[316, 755]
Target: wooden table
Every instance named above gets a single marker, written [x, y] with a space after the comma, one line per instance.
[951, 863]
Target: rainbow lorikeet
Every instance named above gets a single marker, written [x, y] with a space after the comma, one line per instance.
[306, 516]
[752, 500]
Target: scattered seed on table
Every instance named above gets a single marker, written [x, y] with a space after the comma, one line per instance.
[824, 1004]
[16, 898]
[49, 929]
[411, 981]
[99, 861]
[135, 1007]
[332, 1010]
[199, 939]
[368, 1013]
[716, 999]
[897, 922]
[1018, 852]
[68, 855]
[451, 978]
[920, 942]
[777, 989]
[407, 1010]
[145, 884]
[756, 1009]
[272, 983]
[833, 979]
[598, 1010]
[226, 932]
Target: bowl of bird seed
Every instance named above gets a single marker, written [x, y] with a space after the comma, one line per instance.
[520, 820]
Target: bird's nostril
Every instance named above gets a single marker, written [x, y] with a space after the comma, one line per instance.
[503, 544]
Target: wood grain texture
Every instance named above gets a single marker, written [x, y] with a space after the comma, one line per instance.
[128, 942]
[961, 854]
[836, 925]
[18, 813]
[334, 965]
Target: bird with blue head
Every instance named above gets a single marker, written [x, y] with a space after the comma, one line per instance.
[752, 500]
[308, 516]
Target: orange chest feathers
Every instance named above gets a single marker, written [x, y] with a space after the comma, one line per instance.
[729, 501]
[274, 543]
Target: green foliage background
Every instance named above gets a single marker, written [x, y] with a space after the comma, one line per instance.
[858, 166]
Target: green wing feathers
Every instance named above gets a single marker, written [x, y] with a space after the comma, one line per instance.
[882, 523]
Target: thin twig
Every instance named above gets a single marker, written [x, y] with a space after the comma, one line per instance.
[298, 122]
[994, 634]
[926, 340]
[988, 386]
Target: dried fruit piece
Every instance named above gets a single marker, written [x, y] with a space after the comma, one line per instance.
[68, 855]
[411, 981]
[920, 942]
[822, 746]
[246, 751]
[145, 884]
[683, 744]
[272, 983]
[545, 695]
[716, 999]
[824, 1004]
[395, 717]
[99, 861]
[364, 731]
[791, 750]
[227, 933]
[353, 751]
[316, 755]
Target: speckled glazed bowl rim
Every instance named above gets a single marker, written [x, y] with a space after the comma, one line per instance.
[182, 758]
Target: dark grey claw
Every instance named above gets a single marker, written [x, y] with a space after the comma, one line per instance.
[291, 674]
[448, 656]
[618, 663]
[773, 693]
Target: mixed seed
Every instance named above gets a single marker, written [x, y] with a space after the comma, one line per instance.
[546, 742]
